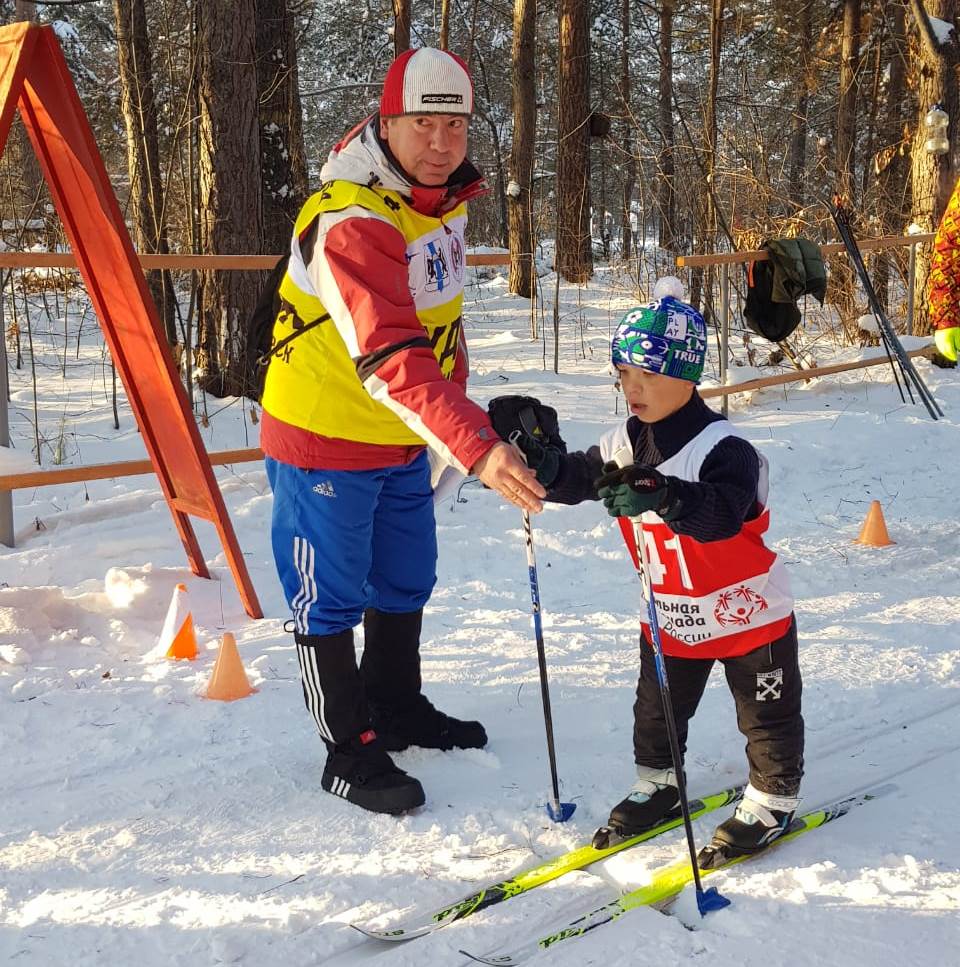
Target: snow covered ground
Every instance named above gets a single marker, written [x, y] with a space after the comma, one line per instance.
[144, 824]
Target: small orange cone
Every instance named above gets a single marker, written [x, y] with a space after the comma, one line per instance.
[874, 530]
[178, 638]
[229, 679]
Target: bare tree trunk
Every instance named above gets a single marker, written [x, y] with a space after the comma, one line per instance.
[282, 154]
[872, 105]
[520, 206]
[933, 176]
[666, 188]
[842, 272]
[31, 194]
[889, 164]
[230, 193]
[630, 165]
[401, 26]
[299, 170]
[798, 139]
[444, 24]
[574, 249]
[137, 101]
[709, 239]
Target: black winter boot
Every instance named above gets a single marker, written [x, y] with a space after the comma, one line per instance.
[390, 668]
[422, 724]
[361, 772]
[332, 689]
[358, 768]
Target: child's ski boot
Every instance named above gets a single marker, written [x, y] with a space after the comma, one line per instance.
[760, 819]
[653, 798]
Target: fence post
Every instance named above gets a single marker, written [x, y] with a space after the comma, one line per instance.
[911, 279]
[6, 496]
[724, 330]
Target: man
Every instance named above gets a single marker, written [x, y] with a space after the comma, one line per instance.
[350, 408]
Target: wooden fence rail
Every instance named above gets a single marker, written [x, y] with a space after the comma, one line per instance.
[249, 263]
[130, 468]
[133, 468]
[832, 248]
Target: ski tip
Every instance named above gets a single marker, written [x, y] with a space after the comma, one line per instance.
[370, 932]
[390, 936]
[711, 899]
[503, 961]
[560, 812]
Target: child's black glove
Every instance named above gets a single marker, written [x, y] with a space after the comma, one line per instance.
[633, 490]
[543, 459]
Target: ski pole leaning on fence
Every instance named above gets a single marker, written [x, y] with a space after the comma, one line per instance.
[895, 352]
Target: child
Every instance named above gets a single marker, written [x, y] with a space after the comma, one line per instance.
[700, 491]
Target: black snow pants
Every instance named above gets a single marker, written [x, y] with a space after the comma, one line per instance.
[766, 687]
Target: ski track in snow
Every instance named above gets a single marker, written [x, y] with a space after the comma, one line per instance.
[144, 824]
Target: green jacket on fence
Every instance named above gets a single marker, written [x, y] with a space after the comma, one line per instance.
[798, 269]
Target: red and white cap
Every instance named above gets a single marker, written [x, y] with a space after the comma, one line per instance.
[427, 81]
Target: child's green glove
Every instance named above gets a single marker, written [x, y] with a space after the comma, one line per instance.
[948, 342]
[633, 490]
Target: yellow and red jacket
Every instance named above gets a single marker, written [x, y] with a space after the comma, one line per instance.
[945, 267]
[385, 375]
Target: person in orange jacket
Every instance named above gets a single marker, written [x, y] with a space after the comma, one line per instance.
[945, 283]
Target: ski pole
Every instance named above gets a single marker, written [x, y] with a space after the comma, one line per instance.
[890, 338]
[709, 899]
[558, 811]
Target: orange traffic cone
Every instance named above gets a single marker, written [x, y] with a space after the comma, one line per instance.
[178, 639]
[229, 679]
[874, 530]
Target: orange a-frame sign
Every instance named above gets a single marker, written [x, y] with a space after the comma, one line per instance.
[34, 77]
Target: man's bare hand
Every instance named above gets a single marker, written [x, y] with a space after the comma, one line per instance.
[502, 470]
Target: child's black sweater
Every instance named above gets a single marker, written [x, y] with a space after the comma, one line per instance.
[711, 509]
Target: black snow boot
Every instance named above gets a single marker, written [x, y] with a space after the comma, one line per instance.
[361, 772]
[390, 668]
[358, 768]
[653, 798]
[760, 819]
[422, 724]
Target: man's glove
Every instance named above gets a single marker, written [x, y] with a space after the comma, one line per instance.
[633, 490]
[948, 344]
[543, 459]
[527, 414]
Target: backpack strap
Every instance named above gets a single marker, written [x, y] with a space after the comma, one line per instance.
[306, 238]
[264, 358]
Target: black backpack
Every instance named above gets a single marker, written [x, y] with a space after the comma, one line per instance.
[772, 320]
[259, 347]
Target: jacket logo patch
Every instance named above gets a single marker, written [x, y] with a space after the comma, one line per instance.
[456, 257]
[324, 489]
[769, 685]
[738, 607]
[438, 272]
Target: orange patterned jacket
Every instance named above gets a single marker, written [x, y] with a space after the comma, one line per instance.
[945, 267]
